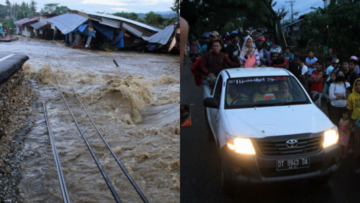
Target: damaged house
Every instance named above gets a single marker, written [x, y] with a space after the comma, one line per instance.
[24, 26]
[43, 28]
[84, 30]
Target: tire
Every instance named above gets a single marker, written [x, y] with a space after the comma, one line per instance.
[210, 135]
[321, 180]
[227, 187]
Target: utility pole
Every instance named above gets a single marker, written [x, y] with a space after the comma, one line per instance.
[291, 2]
[324, 3]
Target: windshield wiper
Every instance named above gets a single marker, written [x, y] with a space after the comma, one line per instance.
[269, 104]
[292, 103]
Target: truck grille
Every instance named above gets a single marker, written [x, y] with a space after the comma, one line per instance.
[279, 148]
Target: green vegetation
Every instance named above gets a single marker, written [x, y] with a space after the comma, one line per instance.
[54, 8]
[344, 25]
[150, 18]
[227, 15]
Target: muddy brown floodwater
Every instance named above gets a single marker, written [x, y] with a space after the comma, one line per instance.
[135, 106]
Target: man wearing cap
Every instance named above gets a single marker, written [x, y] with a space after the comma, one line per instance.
[214, 35]
[263, 54]
[203, 49]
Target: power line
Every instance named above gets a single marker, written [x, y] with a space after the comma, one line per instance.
[292, 11]
[319, 1]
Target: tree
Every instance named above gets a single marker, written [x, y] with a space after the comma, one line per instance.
[343, 24]
[32, 7]
[54, 8]
[207, 15]
[49, 8]
[132, 15]
[154, 19]
[60, 10]
[3, 11]
[176, 8]
[24, 10]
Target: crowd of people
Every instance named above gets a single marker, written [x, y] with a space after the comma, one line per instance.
[335, 81]
[3, 32]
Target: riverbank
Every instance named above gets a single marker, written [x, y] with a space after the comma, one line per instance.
[17, 103]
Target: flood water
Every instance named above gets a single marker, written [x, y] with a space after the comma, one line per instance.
[135, 106]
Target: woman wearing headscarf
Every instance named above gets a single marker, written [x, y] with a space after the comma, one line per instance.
[249, 56]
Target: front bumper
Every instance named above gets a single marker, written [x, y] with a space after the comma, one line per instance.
[245, 169]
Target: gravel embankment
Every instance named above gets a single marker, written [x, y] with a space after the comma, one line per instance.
[17, 102]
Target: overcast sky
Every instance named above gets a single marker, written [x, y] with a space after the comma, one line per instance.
[144, 6]
[302, 6]
[109, 6]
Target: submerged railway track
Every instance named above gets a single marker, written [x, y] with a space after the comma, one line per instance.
[62, 181]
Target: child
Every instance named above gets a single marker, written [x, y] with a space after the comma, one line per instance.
[345, 128]
[353, 104]
[348, 91]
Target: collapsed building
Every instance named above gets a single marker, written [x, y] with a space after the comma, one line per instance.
[102, 31]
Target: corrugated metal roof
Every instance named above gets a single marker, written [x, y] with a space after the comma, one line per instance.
[67, 22]
[132, 30]
[38, 25]
[126, 20]
[28, 21]
[21, 20]
[161, 37]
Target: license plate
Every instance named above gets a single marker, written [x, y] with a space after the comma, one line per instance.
[290, 164]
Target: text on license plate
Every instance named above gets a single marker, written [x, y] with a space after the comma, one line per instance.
[288, 164]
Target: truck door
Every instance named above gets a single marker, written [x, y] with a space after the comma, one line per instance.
[214, 113]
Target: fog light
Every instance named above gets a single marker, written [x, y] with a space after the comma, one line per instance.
[236, 171]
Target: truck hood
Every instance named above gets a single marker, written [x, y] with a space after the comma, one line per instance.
[276, 121]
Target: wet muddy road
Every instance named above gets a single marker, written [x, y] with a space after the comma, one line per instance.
[135, 106]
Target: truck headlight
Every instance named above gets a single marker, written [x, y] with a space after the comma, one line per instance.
[241, 145]
[331, 137]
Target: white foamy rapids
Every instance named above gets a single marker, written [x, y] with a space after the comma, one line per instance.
[135, 106]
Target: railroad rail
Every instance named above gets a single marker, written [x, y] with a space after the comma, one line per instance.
[58, 165]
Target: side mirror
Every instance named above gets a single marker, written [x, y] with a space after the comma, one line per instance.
[211, 102]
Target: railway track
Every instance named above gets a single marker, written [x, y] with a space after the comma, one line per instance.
[101, 170]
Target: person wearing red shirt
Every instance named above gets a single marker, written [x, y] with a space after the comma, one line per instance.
[316, 80]
[215, 61]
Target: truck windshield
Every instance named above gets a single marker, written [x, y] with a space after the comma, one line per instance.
[264, 91]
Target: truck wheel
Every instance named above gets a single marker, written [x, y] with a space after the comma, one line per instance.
[322, 180]
[228, 187]
[210, 135]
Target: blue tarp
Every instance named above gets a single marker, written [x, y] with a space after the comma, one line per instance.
[105, 30]
[119, 41]
[81, 30]
[82, 27]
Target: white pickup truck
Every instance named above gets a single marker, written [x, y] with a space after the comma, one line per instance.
[267, 128]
